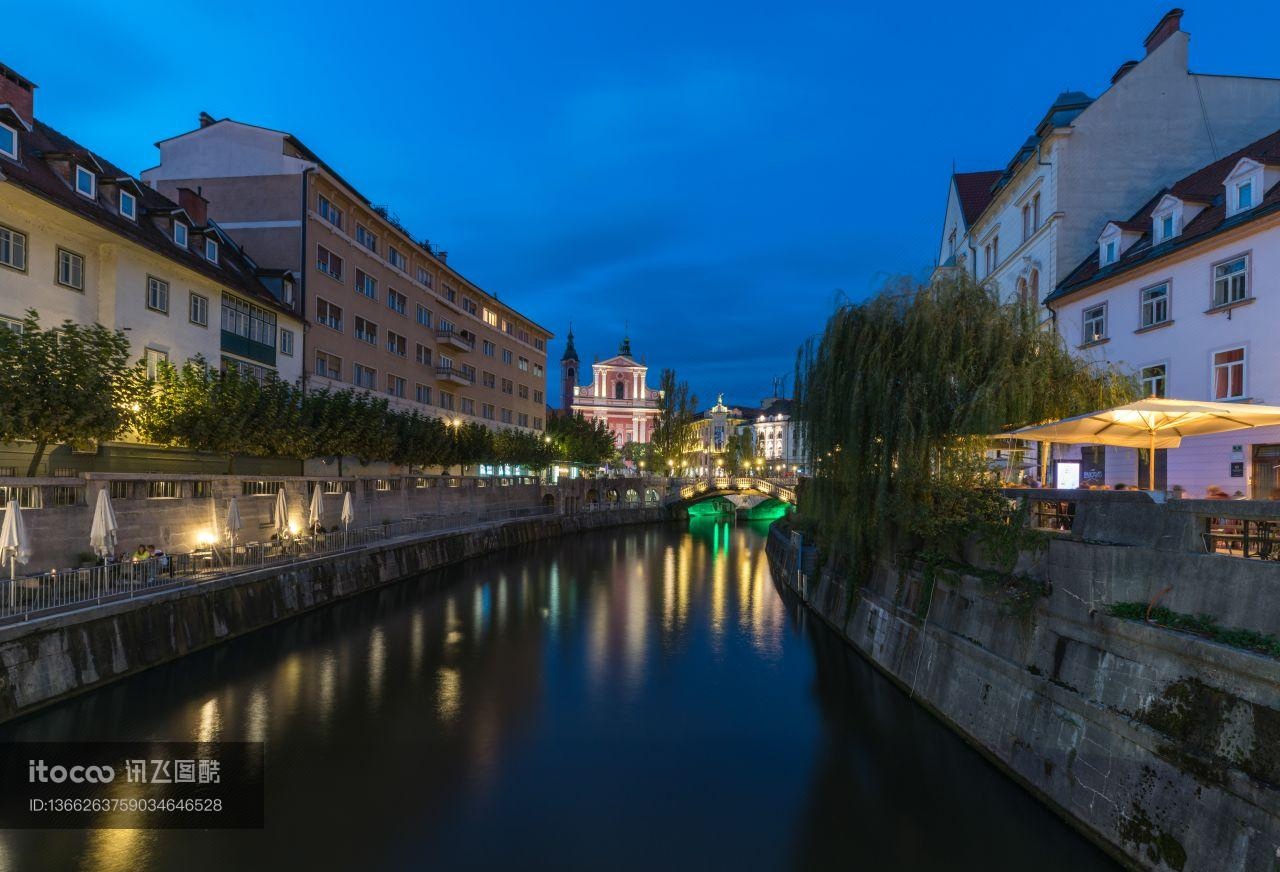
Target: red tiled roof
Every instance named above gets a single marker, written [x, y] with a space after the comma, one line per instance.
[1202, 186]
[974, 191]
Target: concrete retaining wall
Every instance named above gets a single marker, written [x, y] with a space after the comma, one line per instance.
[57, 657]
[1162, 746]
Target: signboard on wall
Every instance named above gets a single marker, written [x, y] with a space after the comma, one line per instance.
[1067, 473]
[1237, 469]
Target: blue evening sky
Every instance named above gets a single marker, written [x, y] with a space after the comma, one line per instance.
[715, 174]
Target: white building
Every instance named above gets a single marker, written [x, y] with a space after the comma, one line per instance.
[1089, 159]
[1185, 293]
[82, 240]
[777, 438]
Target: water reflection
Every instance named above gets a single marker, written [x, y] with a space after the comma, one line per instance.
[632, 699]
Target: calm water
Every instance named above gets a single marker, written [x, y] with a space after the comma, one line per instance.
[636, 699]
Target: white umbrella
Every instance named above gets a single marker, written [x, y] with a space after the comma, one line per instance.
[282, 513]
[317, 507]
[103, 534]
[348, 511]
[14, 543]
[233, 522]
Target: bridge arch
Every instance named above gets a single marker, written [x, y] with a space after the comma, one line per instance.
[731, 486]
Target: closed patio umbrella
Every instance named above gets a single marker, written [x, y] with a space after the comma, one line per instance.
[14, 544]
[348, 511]
[232, 521]
[282, 513]
[316, 512]
[104, 532]
[1156, 422]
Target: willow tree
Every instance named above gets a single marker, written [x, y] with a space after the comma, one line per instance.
[895, 396]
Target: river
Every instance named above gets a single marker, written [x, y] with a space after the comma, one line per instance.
[640, 698]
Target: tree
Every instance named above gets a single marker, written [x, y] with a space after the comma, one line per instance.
[673, 436]
[71, 383]
[578, 440]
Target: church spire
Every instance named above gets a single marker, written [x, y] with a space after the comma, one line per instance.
[570, 353]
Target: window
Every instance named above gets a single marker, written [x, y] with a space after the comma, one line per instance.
[489, 380]
[366, 238]
[523, 419]
[422, 393]
[396, 301]
[537, 423]
[70, 269]
[523, 364]
[254, 323]
[328, 263]
[1035, 212]
[260, 488]
[444, 361]
[395, 386]
[328, 314]
[397, 344]
[180, 233]
[396, 258]
[1166, 227]
[490, 317]
[1155, 305]
[1027, 229]
[1244, 195]
[424, 315]
[153, 359]
[446, 400]
[1095, 323]
[365, 377]
[162, 490]
[328, 365]
[506, 416]
[1109, 252]
[523, 392]
[537, 370]
[198, 309]
[157, 295]
[366, 331]
[8, 141]
[539, 344]
[469, 305]
[128, 205]
[366, 284]
[286, 343]
[450, 294]
[1228, 374]
[13, 248]
[537, 396]
[488, 348]
[1231, 281]
[619, 391]
[444, 326]
[330, 212]
[506, 356]
[425, 277]
[86, 182]
[508, 386]
[467, 406]
[1154, 380]
[210, 249]
[486, 411]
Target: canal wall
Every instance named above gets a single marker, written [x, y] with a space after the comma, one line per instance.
[46, 660]
[1162, 746]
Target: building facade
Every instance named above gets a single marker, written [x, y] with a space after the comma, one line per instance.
[1185, 294]
[618, 394]
[777, 439]
[384, 312]
[81, 240]
[1024, 227]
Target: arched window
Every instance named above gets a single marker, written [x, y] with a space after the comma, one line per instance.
[620, 390]
[1022, 290]
[569, 373]
[1034, 287]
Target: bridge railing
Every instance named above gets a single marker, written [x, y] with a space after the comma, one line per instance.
[740, 483]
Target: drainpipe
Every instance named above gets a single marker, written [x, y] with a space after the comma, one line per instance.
[302, 300]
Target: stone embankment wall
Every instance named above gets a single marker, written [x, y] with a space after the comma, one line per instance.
[1163, 746]
[56, 657]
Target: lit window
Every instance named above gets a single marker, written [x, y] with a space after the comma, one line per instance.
[199, 310]
[180, 233]
[1228, 374]
[153, 360]
[128, 205]
[8, 141]
[1231, 281]
[70, 269]
[1153, 380]
[490, 317]
[157, 295]
[1155, 305]
[211, 250]
[286, 343]
[86, 182]
[1095, 323]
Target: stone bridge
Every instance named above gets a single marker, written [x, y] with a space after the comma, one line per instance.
[742, 491]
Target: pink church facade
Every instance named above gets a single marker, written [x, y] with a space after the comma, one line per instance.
[618, 394]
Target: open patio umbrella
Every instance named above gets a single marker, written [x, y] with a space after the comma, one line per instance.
[348, 511]
[282, 513]
[14, 544]
[316, 512]
[1156, 422]
[104, 532]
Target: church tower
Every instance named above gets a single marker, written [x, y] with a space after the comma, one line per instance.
[568, 373]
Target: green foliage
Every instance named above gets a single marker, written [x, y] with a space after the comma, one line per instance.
[673, 435]
[70, 383]
[1201, 625]
[895, 397]
[578, 440]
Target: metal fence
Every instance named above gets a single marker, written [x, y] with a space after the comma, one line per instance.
[54, 591]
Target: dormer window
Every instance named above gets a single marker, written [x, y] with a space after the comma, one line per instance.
[8, 141]
[180, 234]
[1244, 196]
[1247, 183]
[1166, 227]
[86, 182]
[211, 249]
[128, 205]
[1109, 252]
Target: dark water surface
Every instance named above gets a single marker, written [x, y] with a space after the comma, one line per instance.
[631, 699]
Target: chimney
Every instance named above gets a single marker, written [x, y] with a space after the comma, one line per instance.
[18, 93]
[205, 119]
[1124, 68]
[1168, 26]
[443, 256]
[195, 205]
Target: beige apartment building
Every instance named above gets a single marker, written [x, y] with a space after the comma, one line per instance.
[384, 312]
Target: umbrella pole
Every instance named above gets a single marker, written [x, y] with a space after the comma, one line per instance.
[1044, 464]
[1151, 462]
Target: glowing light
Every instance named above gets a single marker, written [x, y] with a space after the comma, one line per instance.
[293, 528]
[204, 538]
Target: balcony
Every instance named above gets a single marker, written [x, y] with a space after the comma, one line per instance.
[243, 346]
[462, 341]
[456, 376]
